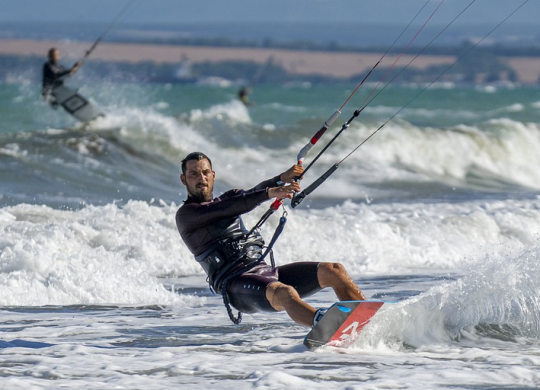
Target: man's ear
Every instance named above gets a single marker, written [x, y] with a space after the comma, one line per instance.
[183, 179]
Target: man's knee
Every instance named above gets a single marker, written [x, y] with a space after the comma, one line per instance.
[332, 269]
[331, 273]
[280, 295]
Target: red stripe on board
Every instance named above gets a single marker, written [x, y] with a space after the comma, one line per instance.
[349, 330]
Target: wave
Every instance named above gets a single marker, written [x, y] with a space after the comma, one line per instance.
[398, 238]
[496, 301]
[496, 155]
[234, 110]
[134, 152]
[119, 254]
[97, 255]
[70, 168]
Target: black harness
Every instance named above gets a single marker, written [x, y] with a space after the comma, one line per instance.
[229, 255]
[236, 251]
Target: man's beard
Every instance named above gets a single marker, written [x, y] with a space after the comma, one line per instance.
[201, 195]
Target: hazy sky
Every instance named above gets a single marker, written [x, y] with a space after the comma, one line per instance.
[182, 11]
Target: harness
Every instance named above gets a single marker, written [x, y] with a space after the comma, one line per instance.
[228, 255]
[235, 255]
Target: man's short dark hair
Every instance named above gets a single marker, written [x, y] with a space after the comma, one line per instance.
[51, 51]
[198, 156]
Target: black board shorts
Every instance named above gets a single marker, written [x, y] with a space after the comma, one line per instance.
[247, 292]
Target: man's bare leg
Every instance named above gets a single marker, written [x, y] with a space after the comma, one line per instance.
[334, 275]
[284, 297]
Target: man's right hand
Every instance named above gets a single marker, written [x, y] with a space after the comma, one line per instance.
[284, 192]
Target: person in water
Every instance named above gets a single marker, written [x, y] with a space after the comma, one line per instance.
[243, 95]
[213, 230]
[54, 74]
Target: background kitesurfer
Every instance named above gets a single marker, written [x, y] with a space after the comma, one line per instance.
[243, 95]
[54, 74]
[214, 232]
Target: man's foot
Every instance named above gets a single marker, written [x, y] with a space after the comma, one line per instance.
[319, 315]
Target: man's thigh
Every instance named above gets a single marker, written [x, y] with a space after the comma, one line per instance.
[302, 276]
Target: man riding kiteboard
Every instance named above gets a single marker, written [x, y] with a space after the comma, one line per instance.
[213, 230]
[54, 75]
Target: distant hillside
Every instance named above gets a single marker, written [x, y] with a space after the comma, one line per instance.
[173, 63]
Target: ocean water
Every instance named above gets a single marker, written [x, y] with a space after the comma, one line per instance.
[440, 212]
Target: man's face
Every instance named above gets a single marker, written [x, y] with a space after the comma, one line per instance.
[199, 180]
[55, 56]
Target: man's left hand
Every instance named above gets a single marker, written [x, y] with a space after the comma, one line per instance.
[284, 192]
[292, 173]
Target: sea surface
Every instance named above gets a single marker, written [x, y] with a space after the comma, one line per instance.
[439, 212]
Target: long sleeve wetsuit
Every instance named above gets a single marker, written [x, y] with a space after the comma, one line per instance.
[194, 219]
[53, 76]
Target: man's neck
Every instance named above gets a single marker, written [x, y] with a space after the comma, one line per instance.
[195, 199]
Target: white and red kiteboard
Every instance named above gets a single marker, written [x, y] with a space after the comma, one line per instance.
[342, 323]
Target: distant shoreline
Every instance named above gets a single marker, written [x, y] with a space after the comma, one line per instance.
[335, 64]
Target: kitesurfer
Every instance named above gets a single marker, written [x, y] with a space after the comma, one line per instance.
[243, 95]
[213, 230]
[54, 75]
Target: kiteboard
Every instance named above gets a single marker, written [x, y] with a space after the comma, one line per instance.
[75, 104]
[342, 323]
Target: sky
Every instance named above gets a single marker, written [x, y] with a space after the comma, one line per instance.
[231, 11]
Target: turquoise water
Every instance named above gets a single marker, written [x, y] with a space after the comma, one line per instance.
[449, 142]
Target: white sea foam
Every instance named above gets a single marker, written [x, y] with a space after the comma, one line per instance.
[97, 255]
[285, 108]
[497, 299]
[161, 105]
[233, 110]
[517, 107]
[491, 89]
[112, 254]
[403, 238]
[499, 152]
[496, 152]
[13, 150]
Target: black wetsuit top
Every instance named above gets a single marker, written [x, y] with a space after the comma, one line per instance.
[196, 221]
[53, 76]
